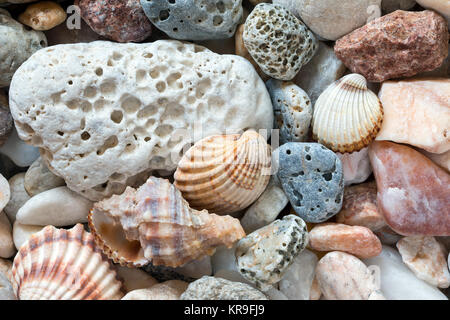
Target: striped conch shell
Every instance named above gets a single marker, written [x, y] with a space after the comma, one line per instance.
[154, 224]
[347, 115]
[225, 173]
[59, 264]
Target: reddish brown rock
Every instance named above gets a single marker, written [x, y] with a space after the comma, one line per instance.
[400, 44]
[413, 192]
[122, 21]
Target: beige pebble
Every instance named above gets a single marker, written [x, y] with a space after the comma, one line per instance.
[39, 178]
[134, 279]
[359, 241]
[342, 276]
[23, 232]
[426, 258]
[5, 268]
[359, 207]
[7, 248]
[43, 15]
[169, 290]
[18, 196]
[5, 192]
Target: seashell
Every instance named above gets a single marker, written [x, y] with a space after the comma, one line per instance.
[154, 224]
[59, 264]
[225, 173]
[347, 115]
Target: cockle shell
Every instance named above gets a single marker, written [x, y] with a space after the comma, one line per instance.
[154, 224]
[347, 115]
[225, 173]
[59, 264]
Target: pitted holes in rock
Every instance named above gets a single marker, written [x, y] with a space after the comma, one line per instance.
[147, 111]
[111, 142]
[164, 130]
[117, 116]
[131, 104]
[108, 88]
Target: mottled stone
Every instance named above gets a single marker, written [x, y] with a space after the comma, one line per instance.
[323, 69]
[122, 21]
[417, 112]
[17, 45]
[18, 196]
[292, 109]
[7, 248]
[398, 282]
[169, 290]
[43, 15]
[6, 120]
[134, 279]
[298, 279]
[211, 288]
[279, 42]
[332, 20]
[359, 207]
[400, 44]
[441, 6]
[426, 258]
[267, 208]
[264, 255]
[39, 179]
[311, 176]
[413, 192]
[342, 276]
[356, 240]
[356, 166]
[212, 19]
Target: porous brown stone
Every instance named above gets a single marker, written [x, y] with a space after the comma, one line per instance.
[400, 44]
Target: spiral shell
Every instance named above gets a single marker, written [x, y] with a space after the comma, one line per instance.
[225, 173]
[59, 264]
[154, 224]
[347, 115]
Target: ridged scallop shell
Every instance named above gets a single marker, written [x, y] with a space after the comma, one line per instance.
[59, 264]
[225, 173]
[347, 115]
[154, 224]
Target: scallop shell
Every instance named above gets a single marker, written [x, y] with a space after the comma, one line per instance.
[154, 224]
[225, 173]
[347, 115]
[59, 264]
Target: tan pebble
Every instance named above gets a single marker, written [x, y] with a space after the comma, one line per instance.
[18, 196]
[359, 207]
[169, 290]
[7, 248]
[426, 258]
[5, 268]
[134, 279]
[342, 276]
[39, 178]
[23, 232]
[315, 293]
[43, 15]
[5, 192]
[360, 241]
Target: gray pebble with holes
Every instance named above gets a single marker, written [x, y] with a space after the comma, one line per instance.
[312, 178]
[195, 19]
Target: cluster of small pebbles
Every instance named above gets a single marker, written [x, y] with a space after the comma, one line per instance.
[225, 150]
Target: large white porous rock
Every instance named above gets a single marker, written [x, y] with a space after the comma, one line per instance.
[400, 283]
[106, 114]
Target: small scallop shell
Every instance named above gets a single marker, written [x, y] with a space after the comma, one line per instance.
[225, 173]
[59, 264]
[154, 224]
[347, 115]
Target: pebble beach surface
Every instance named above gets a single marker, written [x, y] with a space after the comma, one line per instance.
[224, 150]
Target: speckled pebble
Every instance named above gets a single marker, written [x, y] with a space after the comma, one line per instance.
[312, 178]
[39, 178]
[292, 109]
[264, 255]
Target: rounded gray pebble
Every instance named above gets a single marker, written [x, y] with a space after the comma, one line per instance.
[292, 109]
[312, 178]
[39, 178]
[211, 288]
[195, 20]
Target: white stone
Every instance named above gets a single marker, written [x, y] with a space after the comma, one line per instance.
[58, 207]
[107, 114]
[134, 279]
[400, 283]
[6, 289]
[267, 208]
[297, 281]
[5, 192]
[18, 196]
[356, 166]
[22, 154]
[7, 249]
[23, 232]
[197, 268]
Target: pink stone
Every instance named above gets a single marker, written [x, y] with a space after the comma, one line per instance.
[356, 166]
[413, 192]
[417, 112]
[442, 160]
